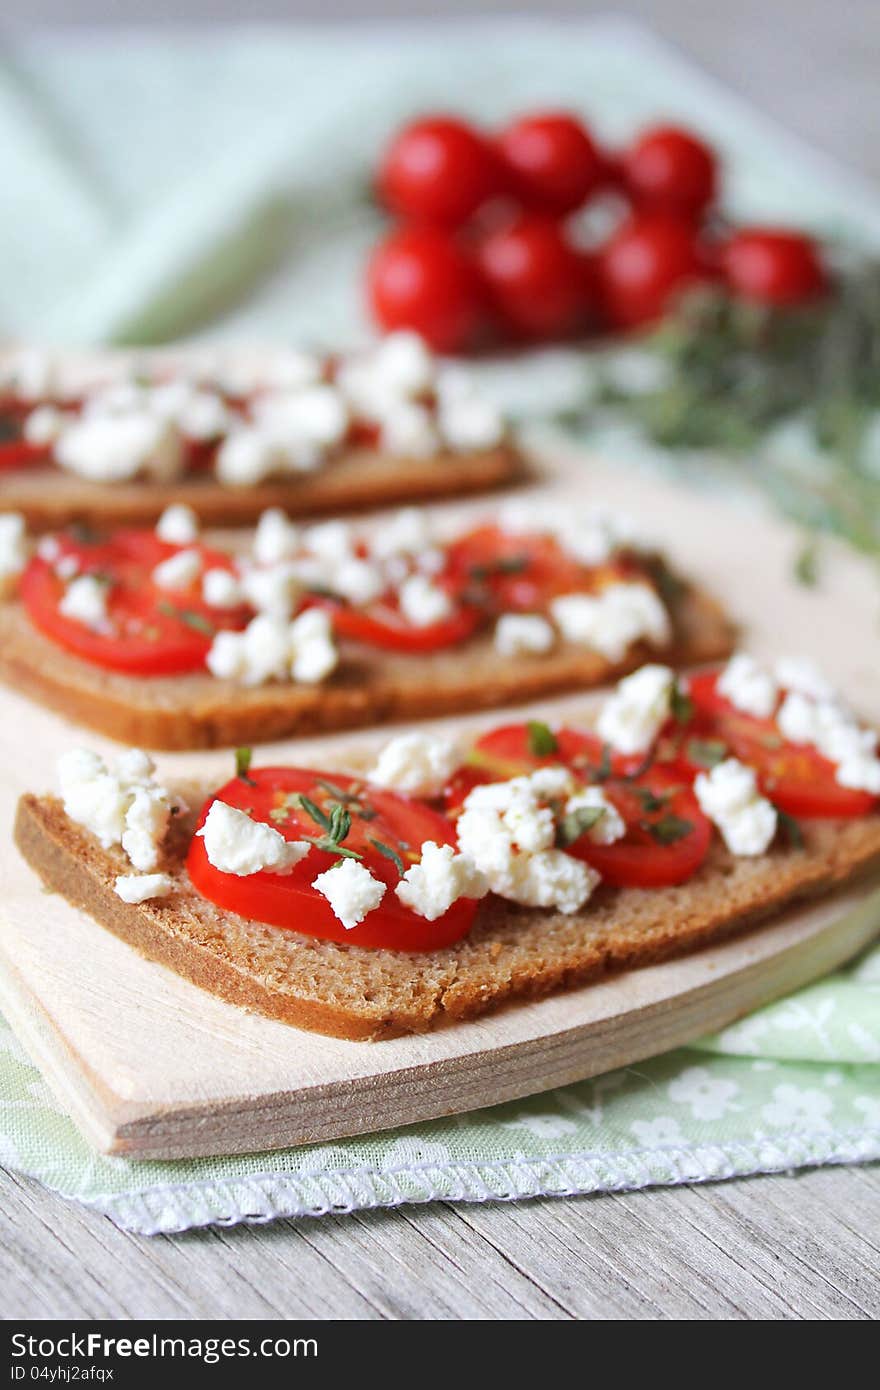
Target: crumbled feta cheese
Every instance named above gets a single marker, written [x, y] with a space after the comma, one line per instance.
[198, 414]
[275, 537]
[44, 426]
[397, 369]
[358, 580]
[416, 763]
[315, 655]
[633, 716]
[797, 718]
[549, 879]
[796, 673]
[467, 420]
[331, 541]
[48, 547]
[612, 620]
[273, 648]
[179, 571]
[178, 525]
[67, 567]
[422, 602]
[591, 536]
[274, 589]
[860, 772]
[440, 878]
[748, 686]
[610, 826]
[124, 806]
[140, 888]
[236, 844]
[85, 600]
[351, 890]
[408, 431]
[304, 423]
[221, 589]
[523, 634]
[247, 456]
[14, 549]
[408, 533]
[114, 448]
[833, 731]
[729, 796]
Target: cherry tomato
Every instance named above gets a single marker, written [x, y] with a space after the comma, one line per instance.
[438, 170]
[151, 631]
[773, 266]
[795, 777]
[419, 278]
[534, 278]
[509, 751]
[553, 164]
[667, 836]
[646, 264]
[670, 170]
[400, 825]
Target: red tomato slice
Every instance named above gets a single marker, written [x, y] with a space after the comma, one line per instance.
[795, 777]
[521, 573]
[383, 625]
[18, 453]
[289, 900]
[656, 806]
[511, 750]
[153, 631]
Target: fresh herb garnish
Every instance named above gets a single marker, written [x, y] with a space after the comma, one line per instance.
[651, 801]
[348, 798]
[542, 740]
[311, 809]
[706, 752]
[188, 616]
[681, 706]
[669, 829]
[335, 822]
[603, 771]
[243, 765]
[389, 853]
[806, 564]
[794, 836]
[506, 564]
[576, 823]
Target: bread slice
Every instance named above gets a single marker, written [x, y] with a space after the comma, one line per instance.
[50, 498]
[512, 952]
[369, 686]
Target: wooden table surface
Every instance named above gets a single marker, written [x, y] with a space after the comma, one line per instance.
[799, 1246]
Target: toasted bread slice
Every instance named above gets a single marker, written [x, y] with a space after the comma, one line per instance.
[512, 952]
[369, 686]
[49, 498]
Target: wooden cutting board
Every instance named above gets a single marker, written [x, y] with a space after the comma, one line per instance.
[150, 1066]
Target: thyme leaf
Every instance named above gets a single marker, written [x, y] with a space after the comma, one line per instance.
[389, 853]
[542, 740]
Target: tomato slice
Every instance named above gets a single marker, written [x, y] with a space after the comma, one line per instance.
[667, 835]
[399, 824]
[521, 573]
[19, 453]
[513, 749]
[795, 777]
[152, 631]
[383, 625]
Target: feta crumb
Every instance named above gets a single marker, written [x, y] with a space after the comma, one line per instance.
[612, 620]
[44, 426]
[246, 456]
[592, 535]
[549, 879]
[306, 423]
[14, 549]
[85, 600]
[221, 589]
[179, 571]
[357, 580]
[748, 686]
[275, 537]
[330, 541]
[408, 533]
[236, 844]
[523, 634]
[178, 525]
[107, 447]
[633, 716]
[140, 888]
[729, 796]
[416, 763]
[422, 602]
[314, 653]
[351, 890]
[408, 431]
[610, 826]
[440, 878]
[467, 420]
[125, 806]
[274, 589]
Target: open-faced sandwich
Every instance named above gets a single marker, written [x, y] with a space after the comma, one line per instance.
[160, 639]
[438, 882]
[118, 438]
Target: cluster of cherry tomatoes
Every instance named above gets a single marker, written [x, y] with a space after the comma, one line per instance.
[486, 248]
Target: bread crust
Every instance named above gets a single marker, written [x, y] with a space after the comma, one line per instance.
[511, 954]
[369, 687]
[361, 478]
